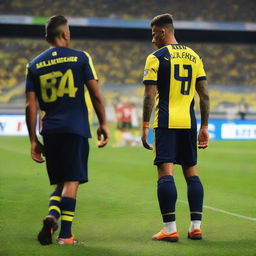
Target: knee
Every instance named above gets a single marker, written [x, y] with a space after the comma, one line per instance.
[70, 189]
[166, 178]
[193, 179]
[59, 187]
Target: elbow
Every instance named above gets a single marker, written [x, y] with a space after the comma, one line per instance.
[96, 99]
[149, 100]
[205, 98]
[149, 97]
[27, 107]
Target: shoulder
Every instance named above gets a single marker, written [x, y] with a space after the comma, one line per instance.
[160, 52]
[156, 55]
[84, 55]
[74, 52]
[66, 51]
[38, 58]
[87, 55]
[191, 51]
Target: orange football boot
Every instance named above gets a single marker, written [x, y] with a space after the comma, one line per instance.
[195, 234]
[69, 240]
[166, 236]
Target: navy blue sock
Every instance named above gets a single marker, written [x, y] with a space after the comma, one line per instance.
[67, 206]
[54, 204]
[167, 197]
[195, 197]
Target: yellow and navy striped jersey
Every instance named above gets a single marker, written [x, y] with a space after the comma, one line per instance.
[174, 69]
[58, 77]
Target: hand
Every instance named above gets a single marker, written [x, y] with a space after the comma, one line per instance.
[37, 151]
[144, 138]
[203, 137]
[103, 136]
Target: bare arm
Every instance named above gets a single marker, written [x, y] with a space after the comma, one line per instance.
[97, 102]
[148, 103]
[31, 116]
[202, 90]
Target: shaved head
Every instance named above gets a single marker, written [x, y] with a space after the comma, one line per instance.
[54, 28]
[163, 21]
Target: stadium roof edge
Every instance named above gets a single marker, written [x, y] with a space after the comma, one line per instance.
[134, 24]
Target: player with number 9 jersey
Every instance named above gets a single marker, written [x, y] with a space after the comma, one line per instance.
[172, 74]
[175, 69]
[58, 78]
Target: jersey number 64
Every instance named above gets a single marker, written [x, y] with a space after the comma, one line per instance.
[51, 89]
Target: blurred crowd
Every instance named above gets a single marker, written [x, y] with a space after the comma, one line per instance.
[122, 62]
[228, 64]
[207, 10]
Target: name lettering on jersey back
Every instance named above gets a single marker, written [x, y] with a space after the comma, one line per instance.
[56, 61]
[183, 55]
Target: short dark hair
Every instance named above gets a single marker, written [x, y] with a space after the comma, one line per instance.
[51, 27]
[163, 20]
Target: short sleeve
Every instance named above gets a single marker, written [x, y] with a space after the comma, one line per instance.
[151, 70]
[30, 85]
[201, 73]
[90, 72]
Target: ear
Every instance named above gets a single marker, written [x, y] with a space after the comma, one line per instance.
[65, 35]
[46, 39]
[163, 32]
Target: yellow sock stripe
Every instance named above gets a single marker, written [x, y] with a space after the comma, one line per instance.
[66, 218]
[68, 213]
[56, 198]
[54, 207]
[168, 213]
[196, 213]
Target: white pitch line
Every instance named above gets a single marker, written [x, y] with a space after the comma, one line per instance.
[225, 212]
[230, 151]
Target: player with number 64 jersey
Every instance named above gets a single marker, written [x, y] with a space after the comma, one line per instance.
[56, 79]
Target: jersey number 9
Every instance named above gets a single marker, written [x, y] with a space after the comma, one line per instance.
[51, 89]
[185, 80]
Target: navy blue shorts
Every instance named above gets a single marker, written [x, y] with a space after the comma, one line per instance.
[178, 146]
[66, 157]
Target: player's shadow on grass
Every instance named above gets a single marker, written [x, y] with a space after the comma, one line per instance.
[90, 251]
[182, 248]
[235, 247]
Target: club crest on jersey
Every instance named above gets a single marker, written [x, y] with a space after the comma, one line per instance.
[54, 53]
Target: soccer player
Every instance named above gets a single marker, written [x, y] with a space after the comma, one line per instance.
[171, 76]
[56, 79]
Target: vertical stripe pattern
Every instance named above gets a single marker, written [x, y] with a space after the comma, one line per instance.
[163, 86]
[174, 69]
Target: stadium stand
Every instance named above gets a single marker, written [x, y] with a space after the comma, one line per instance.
[122, 62]
[232, 10]
[228, 64]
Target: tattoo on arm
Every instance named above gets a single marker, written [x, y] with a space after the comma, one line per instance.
[148, 103]
[201, 88]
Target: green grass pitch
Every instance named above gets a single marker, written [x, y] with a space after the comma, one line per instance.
[117, 211]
